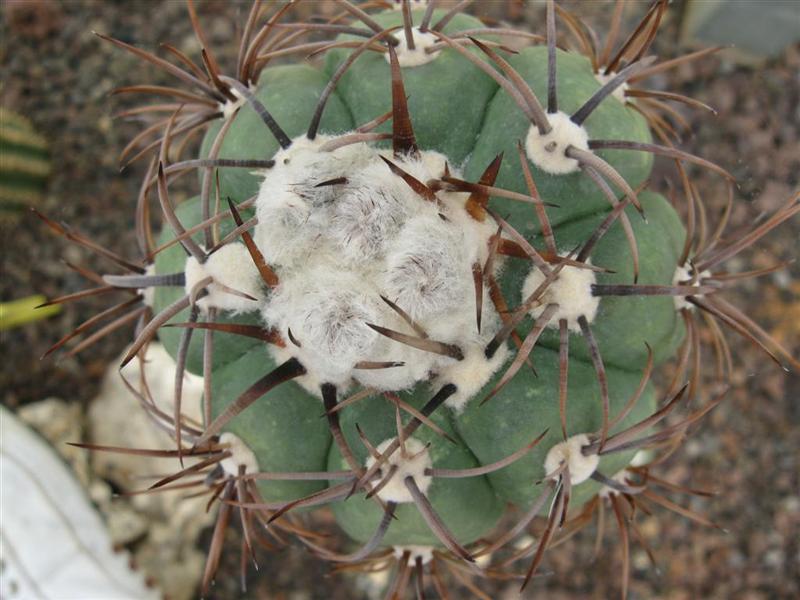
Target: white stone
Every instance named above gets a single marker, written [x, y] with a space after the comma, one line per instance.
[170, 551]
[54, 544]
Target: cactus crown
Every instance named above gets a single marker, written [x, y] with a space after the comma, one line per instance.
[396, 235]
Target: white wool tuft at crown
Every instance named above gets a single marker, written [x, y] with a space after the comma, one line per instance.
[363, 234]
[417, 364]
[426, 273]
[310, 382]
[327, 311]
[370, 210]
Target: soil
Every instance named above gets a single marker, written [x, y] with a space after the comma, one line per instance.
[55, 72]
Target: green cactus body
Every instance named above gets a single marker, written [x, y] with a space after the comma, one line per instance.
[461, 113]
[526, 406]
[366, 90]
[659, 240]
[472, 506]
[267, 422]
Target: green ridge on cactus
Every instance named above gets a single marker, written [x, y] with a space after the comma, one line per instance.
[447, 97]
[284, 428]
[25, 165]
[505, 124]
[467, 506]
[528, 405]
[623, 324]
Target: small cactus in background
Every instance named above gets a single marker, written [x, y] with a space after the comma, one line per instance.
[446, 248]
[24, 171]
[24, 164]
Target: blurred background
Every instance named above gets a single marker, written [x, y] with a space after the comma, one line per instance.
[57, 76]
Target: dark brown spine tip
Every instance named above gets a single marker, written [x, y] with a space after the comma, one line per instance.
[403, 140]
[479, 198]
[268, 275]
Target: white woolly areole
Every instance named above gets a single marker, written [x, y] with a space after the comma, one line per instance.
[572, 291]
[685, 276]
[415, 462]
[241, 455]
[471, 374]
[423, 552]
[569, 451]
[619, 477]
[149, 293]
[230, 266]
[229, 107]
[619, 91]
[340, 229]
[548, 151]
[418, 56]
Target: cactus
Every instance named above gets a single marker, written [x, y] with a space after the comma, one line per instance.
[448, 251]
[24, 164]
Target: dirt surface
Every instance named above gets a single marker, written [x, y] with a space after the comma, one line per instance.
[55, 72]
